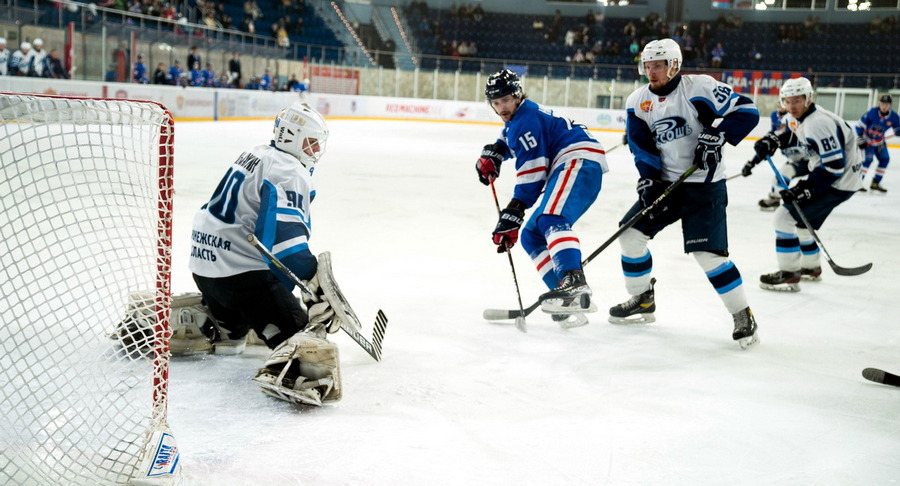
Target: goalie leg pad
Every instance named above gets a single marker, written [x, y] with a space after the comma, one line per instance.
[191, 324]
[332, 293]
[304, 369]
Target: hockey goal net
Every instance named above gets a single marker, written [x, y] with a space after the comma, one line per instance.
[85, 225]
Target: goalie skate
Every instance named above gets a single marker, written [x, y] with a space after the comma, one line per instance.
[333, 294]
[304, 369]
[571, 297]
[637, 310]
[780, 281]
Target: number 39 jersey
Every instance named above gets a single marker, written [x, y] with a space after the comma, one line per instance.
[266, 192]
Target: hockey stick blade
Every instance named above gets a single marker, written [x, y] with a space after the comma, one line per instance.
[849, 272]
[373, 348]
[503, 314]
[880, 376]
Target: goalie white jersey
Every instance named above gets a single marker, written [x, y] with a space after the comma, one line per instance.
[266, 192]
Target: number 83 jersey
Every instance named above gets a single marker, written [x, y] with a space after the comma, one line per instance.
[266, 192]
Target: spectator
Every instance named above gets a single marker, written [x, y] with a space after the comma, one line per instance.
[4, 57]
[53, 67]
[717, 54]
[139, 74]
[160, 76]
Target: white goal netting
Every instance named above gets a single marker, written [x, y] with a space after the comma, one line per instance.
[85, 223]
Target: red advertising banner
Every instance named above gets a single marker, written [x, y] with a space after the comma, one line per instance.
[757, 82]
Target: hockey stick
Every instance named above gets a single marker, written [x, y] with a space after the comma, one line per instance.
[373, 348]
[520, 319]
[880, 376]
[847, 272]
[500, 314]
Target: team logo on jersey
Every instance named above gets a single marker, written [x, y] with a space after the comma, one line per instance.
[646, 106]
[669, 129]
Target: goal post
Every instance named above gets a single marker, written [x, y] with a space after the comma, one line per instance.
[86, 190]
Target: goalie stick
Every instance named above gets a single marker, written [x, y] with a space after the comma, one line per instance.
[847, 272]
[501, 314]
[373, 347]
[880, 376]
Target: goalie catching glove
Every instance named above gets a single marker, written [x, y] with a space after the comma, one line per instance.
[304, 369]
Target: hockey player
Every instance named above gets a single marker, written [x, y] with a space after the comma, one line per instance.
[4, 57]
[670, 127]
[18, 62]
[559, 170]
[796, 165]
[873, 128]
[267, 191]
[833, 177]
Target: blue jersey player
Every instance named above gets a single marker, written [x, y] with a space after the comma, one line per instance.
[559, 170]
[674, 123]
[876, 125]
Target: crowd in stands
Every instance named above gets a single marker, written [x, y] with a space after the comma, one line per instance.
[30, 59]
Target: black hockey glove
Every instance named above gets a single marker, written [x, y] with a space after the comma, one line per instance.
[766, 146]
[748, 167]
[709, 148]
[648, 191]
[488, 165]
[506, 234]
[800, 192]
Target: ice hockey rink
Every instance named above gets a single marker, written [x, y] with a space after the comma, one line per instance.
[458, 400]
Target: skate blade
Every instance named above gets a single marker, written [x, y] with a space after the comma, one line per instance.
[575, 320]
[549, 307]
[633, 319]
[768, 209]
[786, 287]
[810, 278]
[746, 342]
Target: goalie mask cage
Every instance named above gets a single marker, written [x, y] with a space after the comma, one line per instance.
[85, 225]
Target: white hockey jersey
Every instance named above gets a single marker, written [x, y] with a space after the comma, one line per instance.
[266, 192]
[830, 144]
[663, 127]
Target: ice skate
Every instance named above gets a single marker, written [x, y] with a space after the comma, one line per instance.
[568, 321]
[744, 328]
[781, 281]
[636, 310]
[769, 203]
[572, 296]
[876, 188]
[811, 274]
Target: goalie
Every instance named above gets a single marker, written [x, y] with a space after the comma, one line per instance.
[267, 192]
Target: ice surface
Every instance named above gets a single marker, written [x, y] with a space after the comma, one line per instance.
[458, 400]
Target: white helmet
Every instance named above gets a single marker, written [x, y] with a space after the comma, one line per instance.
[301, 131]
[797, 87]
[25, 46]
[662, 50]
[38, 42]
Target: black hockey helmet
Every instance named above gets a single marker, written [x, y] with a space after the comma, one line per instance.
[503, 83]
[887, 99]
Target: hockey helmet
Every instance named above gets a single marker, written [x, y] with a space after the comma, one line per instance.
[886, 99]
[302, 132]
[662, 50]
[503, 83]
[25, 46]
[797, 87]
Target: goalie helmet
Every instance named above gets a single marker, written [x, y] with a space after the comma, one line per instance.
[797, 87]
[503, 83]
[662, 50]
[302, 132]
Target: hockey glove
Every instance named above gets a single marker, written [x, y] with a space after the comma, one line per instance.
[748, 167]
[506, 234]
[488, 165]
[648, 191]
[800, 192]
[766, 146]
[862, 141]
[709, 148]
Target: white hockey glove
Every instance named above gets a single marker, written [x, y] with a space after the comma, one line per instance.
[304, 369]
[320, 313]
